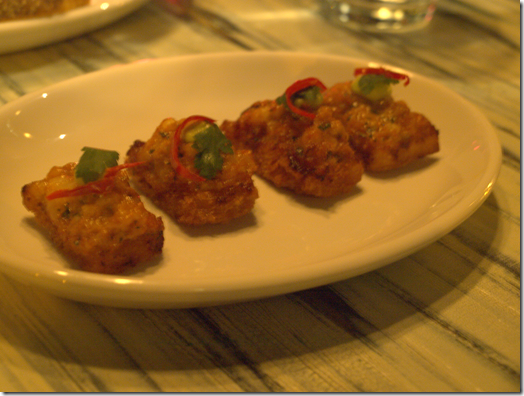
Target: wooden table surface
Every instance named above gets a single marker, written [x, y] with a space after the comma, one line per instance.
[446, 318]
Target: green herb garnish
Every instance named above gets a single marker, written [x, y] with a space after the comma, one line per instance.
[303, 97]
[368, 82]
[375, 83]
[309, 98]
[373, 86]
[210, 143]
[94, 162]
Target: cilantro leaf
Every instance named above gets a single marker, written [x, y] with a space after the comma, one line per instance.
[94, 162]
[210, 143]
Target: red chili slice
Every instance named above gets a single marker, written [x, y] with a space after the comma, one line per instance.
[99, 186]
[384, 72]
[299, 86]
[175, 162]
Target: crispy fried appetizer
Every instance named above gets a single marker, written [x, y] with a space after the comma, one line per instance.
[295, 148]
[192, 173]
[384, 132]
[102, 224]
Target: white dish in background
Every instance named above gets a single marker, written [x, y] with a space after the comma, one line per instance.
[29, 33]
[288, 243]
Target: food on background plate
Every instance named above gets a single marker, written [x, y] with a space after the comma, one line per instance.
[23, 9]
[93, 215]
[297, 143]
[192, 173]
[385, 132]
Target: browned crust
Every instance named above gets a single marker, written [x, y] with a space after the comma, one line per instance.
[307, 157]
[229, 195]
[387, 134]
[108, 233]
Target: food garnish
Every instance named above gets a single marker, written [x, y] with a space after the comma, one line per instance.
[208, 140]
[94, 162]
[303, 97]
[375, 83]
[97, 168]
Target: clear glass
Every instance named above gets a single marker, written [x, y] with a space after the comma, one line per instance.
[379, 15]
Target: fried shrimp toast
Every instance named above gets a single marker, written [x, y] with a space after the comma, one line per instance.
[107, 232]
[169, 177]
[308, 157]
[385, 132]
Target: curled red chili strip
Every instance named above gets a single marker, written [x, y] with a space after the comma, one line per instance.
[99, 186]
[175, 161]
[384, 72]
[299, 86]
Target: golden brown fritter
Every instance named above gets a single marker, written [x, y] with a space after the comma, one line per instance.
[307, 157]
[385, 133]
[21, 9]
[230, 194]
[105, 233]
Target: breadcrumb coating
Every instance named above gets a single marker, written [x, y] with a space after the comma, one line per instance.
[104, 233]
[307, 157]
[230, 194]
[385, 133]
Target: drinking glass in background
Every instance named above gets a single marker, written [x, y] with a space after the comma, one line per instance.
[392, 16]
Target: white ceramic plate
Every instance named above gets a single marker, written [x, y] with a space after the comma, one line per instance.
[29, 33]
[288, 243]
